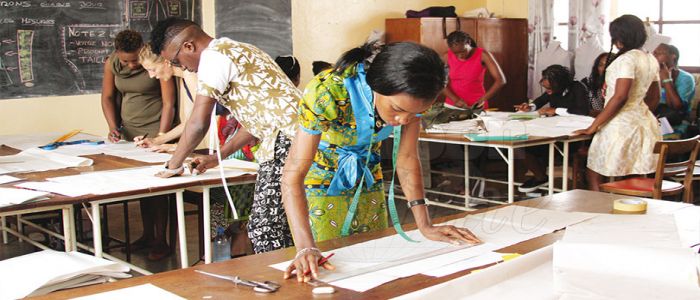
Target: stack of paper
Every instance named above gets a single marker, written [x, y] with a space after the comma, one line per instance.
[43, 272]
[625, 257]
[36, 160]
[465, 126]
[24, 142]
[12, 196]
[499, 124]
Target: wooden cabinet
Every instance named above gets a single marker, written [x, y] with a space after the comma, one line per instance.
[506, 39]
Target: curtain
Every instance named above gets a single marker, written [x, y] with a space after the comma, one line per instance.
[540, 21]
[587, 20]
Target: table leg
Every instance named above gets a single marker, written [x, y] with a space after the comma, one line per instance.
[182, 233]
[3, 225]
[565, 166]
[19, 227]
[551, 169]
[68, 229]
[96, 229]
[466, 176]
[511, 175]
[206, 223]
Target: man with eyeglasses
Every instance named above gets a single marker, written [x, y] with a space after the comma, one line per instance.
[259, 95]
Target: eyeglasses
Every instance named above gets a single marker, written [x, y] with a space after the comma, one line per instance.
[174, 61]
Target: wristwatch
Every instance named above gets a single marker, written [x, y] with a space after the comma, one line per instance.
[417, 202]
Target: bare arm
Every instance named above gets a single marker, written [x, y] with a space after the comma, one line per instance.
[298, 162]
[195, 130]
[167, 90]
[409, 173]
[108, 101]
[499, 80]
[242, 137]
[618, 100]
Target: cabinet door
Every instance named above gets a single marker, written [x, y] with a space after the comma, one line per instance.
[506, 40]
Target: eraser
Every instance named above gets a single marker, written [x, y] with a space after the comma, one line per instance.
[321, 290]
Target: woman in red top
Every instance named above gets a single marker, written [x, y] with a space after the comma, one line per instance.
[468, 65]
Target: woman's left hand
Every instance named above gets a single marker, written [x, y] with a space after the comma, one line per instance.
[450, 234]
[587, 131]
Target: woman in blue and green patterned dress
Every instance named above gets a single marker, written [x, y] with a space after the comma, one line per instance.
[344, 115]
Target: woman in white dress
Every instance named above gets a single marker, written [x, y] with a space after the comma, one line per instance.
[626, 130]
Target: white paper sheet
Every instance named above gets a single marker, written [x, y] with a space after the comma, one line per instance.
[526, 277]
[12, 196]
[464, 126]
[618, 271]
[497, 229]
[24, 142]
[498, 124]
[70, 190]
[7, 179]
[631, 230]
[32, 271]
[129, 150]
[688, 224]
[36, 160]
[144, 291]
[122, 180]
[470, 263]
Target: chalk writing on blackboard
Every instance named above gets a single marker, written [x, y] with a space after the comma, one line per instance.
[87, 46]
[24, 51]
[138, 9]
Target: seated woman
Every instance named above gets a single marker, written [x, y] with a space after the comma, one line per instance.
[677, 88]
[468, 64]
[562, 96]
[594, 85]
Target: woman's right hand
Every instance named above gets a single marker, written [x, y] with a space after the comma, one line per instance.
[306, 265]
[114, 135]
[522, 107]
[142, 142]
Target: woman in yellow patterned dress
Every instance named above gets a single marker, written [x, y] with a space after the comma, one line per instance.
[332, 180]
[626, 130]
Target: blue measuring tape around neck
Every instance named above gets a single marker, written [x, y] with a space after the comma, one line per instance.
[358, 88]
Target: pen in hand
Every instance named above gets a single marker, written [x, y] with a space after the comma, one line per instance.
[142, 138]
[321, 262]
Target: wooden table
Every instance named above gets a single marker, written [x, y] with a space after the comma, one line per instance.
[103, 162]
[191, 285]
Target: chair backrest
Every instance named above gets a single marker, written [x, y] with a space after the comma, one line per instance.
[677, 148]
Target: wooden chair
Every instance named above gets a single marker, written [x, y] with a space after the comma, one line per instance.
[657, 187]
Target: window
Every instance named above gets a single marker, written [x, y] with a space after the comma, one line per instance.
[561, 22]
[678, 19]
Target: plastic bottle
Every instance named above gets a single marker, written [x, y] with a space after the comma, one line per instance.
[221, 246]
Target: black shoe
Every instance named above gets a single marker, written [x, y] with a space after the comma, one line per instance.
[531, 185]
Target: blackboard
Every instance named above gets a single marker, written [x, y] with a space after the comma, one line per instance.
[266, 24]
[58, 47]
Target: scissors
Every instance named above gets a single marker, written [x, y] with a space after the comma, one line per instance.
[260, 287]
[55, 145]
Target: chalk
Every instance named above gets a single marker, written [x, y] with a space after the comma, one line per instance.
[323, 290]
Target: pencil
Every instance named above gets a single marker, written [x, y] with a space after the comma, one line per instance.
[321, 262]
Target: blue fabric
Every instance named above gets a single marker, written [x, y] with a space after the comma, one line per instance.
[685, 87]
[351, 166]
[351, 159]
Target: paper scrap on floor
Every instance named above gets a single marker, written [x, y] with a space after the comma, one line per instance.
[144, 291]
[122, 180]
[37, 160]
[12, 196]
[625, 256]
[497, 229]
[42, 272]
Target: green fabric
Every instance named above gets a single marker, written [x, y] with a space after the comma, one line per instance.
[327, 214]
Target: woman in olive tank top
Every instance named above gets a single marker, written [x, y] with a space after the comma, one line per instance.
[146, 107]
